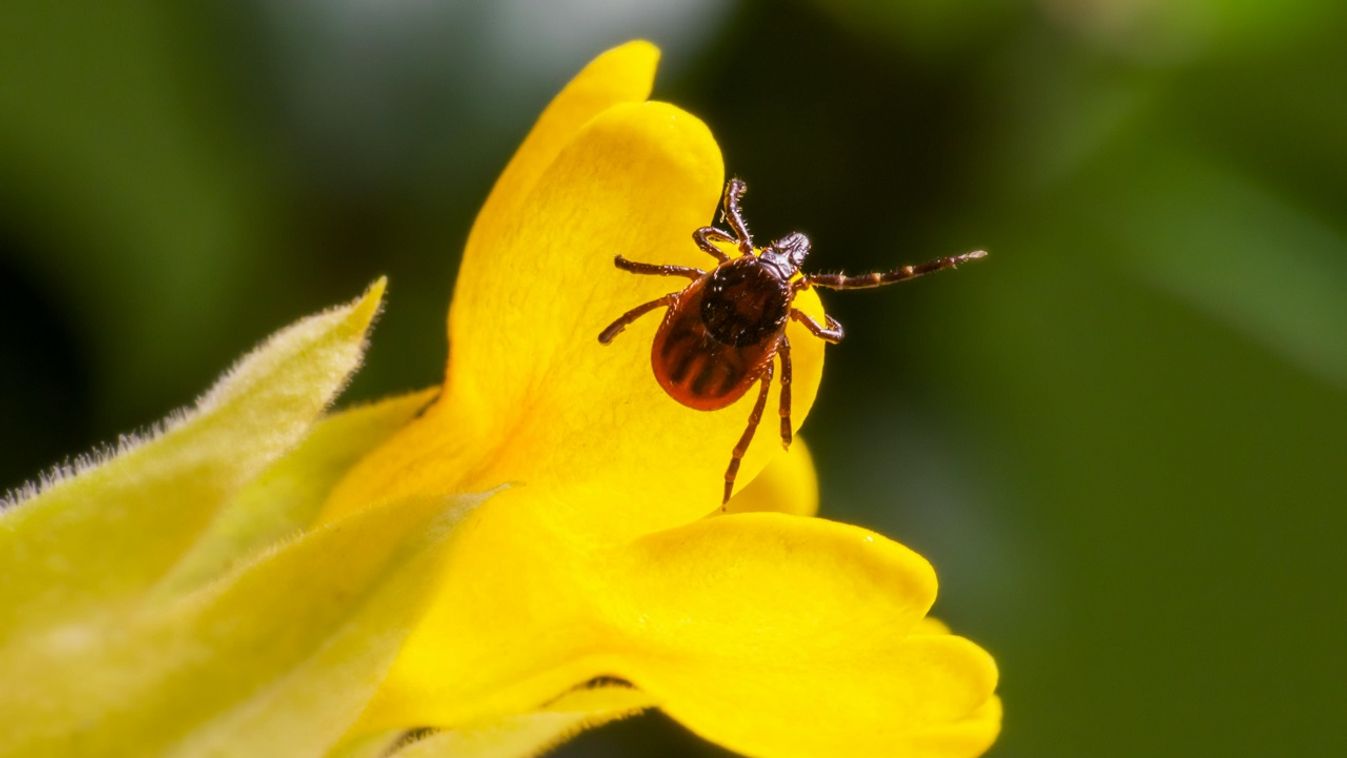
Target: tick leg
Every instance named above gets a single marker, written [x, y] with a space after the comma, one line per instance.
[832, 333]
[742, 447]
[657, 270]
[734, 192]
[703, 237]
[900, 274]
[783, 350]
[617, 326]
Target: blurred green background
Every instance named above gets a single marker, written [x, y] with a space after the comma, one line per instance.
[1122, 440]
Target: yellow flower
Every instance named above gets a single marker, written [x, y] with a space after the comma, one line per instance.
[769, 633]
[255, 578]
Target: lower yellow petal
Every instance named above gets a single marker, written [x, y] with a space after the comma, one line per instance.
[509, 630]
[775, 635]
[767, 633]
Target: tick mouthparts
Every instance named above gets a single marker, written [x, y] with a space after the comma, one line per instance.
[975, 255]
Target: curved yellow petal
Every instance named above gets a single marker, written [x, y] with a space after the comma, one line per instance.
[623, 74]
[787, 485]
[532, 397]
[509, 631]
[767, 633]
[782, 636]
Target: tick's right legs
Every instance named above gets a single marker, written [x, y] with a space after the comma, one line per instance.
[900, 274]
[622, 321]
[832, 333]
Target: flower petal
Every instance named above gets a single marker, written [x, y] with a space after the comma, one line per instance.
[819, 625]
[531, 395]
[277, 659]
[111, 529]
[807, 620]
[623, 74]
[510, 629]
[787, 485]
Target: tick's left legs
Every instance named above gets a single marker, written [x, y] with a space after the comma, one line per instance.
[622, 321]
[703, 237]
[747, 437]
[783, 350]
[653, 269]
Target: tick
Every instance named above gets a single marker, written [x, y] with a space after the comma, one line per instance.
[722, 333]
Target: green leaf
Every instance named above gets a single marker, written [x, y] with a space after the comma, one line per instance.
[286, 498]
[530, 734]
[279, 659]
[105, 532]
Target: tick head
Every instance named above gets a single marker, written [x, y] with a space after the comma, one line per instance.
[791, 249]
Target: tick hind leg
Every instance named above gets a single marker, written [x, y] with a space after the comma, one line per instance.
[622, 321]
[747, 437]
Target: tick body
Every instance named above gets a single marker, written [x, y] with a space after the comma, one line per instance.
[726, 330]
[720, 334]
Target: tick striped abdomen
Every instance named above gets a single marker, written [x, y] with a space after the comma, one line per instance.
[717, 341]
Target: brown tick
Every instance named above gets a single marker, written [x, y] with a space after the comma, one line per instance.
[721, 333]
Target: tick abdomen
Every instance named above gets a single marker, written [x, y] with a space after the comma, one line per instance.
[712, 347]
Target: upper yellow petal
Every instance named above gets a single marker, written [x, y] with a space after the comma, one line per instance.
[532, 397]
[623, 74]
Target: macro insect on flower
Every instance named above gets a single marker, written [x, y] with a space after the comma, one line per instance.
[722, 332]
[489, 566]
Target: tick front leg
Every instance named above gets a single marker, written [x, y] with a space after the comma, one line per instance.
[783, 350]
[734, 192]
[900, 274]
[747, 437]
[657, 270]
[622, 321]
[703, 237]
[832, 333]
